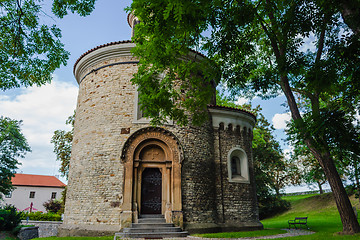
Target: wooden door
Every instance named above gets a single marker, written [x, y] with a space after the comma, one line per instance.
[151, 184]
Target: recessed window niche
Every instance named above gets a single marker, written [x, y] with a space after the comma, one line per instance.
[238, 169]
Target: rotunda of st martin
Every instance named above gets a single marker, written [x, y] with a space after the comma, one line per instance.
[200, 178]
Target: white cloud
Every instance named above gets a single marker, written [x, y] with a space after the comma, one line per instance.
[43, 110]
[241, 101]
[280, 120]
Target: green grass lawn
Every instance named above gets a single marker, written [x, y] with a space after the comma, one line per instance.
[323, 217]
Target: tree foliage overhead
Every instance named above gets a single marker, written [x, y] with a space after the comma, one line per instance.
[30, 51]
[13, 145]
[257, 47]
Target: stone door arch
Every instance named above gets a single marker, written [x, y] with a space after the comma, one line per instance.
[152, 148]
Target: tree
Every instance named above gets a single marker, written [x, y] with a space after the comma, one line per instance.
[350, 11]
[314, 173]
[13, 145]
[62, 141]
[254, 47]
[29, 54]
[53, 206]
[31, 51]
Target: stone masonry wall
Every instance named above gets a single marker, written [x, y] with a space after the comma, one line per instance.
[236, 202]
[45, 228]
[105, 107]
[198, 183]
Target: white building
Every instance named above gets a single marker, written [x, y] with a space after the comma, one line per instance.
[32, 191]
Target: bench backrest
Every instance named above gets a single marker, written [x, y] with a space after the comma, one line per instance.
[301, 219]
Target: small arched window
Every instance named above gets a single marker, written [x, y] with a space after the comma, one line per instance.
[238, 169]
[235, 166]
[138, 113]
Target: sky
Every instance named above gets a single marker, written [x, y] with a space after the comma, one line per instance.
[45, 109]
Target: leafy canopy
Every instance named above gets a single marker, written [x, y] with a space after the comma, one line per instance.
[30, 51]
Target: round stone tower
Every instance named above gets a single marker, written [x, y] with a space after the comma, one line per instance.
[199, 178]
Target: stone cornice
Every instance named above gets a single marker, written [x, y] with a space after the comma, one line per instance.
[233, 117]
[100, 54]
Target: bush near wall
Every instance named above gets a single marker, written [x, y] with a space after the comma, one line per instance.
[39, 216]
[9, 219]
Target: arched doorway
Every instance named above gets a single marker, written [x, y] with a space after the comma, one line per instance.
[152, 154]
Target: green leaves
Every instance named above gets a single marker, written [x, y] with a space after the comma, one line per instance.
[30, 51]
[62, 141]
[166, 31]
[82, 7]
[13, 145]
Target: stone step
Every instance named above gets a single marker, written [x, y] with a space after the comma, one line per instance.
[159, 229]
[151, 216]
[151, 235]
[151, 220]
[151, 225]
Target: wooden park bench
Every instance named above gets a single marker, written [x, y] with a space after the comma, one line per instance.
[302, 221]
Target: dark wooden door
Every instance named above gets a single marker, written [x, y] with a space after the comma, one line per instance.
[151, 191]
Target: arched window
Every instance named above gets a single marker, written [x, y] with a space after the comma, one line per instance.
[138, 114]
[235, 166]
[238, 169]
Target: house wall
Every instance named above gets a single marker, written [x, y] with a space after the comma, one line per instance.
[20, 197]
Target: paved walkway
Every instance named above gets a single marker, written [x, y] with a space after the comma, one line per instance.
[290, 233]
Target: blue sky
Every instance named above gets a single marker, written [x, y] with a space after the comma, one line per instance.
[45, 109]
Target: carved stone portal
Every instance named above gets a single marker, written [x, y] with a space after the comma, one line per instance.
[152, 160]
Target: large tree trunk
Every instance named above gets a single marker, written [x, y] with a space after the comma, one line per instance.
[347, 215]
[350, 11]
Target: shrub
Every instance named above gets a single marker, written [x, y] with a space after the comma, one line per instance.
[39, 216]
[53, 206]
[352, 189]
[9, 219]
[272, 205]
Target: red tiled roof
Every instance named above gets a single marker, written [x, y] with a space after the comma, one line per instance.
[36, 180]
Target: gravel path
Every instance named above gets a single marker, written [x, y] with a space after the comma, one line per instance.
[290, 233]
